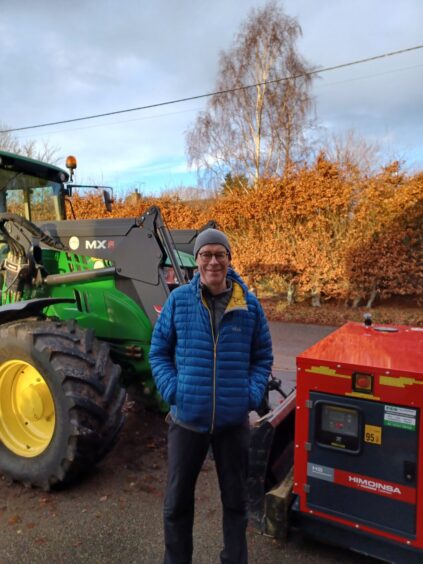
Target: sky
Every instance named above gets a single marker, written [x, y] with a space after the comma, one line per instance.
[63, 59]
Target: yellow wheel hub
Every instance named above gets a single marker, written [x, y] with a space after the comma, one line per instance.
[27, 417]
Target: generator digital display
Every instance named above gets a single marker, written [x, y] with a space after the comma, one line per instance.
[338, 427]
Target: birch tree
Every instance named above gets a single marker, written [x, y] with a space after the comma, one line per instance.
[257, 129]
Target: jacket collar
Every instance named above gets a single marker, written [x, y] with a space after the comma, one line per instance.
[239, 293]
[238, 299]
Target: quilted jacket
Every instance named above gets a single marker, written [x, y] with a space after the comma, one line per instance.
[211, 381]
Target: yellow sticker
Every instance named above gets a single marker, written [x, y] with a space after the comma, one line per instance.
[373, 434]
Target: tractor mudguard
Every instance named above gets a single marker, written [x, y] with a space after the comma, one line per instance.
[28, 308]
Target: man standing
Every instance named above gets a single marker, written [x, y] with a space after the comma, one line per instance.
[211, 356]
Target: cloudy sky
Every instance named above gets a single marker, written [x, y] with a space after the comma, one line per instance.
[63, 59]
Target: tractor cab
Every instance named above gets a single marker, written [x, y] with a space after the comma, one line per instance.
[37, 191]
[31, 188]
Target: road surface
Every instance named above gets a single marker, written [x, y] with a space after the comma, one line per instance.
[114, 515]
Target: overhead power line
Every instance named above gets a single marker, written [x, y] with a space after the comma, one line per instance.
[218, 92]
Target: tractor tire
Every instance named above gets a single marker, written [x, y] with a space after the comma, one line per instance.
[60, 401]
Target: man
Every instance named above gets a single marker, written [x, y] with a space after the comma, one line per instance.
[211, 356]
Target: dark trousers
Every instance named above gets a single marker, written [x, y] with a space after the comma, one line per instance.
[186, 453]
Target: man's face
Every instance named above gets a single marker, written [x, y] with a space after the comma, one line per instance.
[213, 262]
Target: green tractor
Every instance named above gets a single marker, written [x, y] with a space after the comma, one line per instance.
[79, 299]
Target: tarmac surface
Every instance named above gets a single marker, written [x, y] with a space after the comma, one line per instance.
[114, 515]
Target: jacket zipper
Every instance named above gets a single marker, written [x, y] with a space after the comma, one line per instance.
[214, 365]
[214, 387]
[215, 339]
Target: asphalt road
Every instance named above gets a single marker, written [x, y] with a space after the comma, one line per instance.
[114, 515]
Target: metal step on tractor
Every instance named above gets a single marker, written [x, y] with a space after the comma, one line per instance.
[78, 302]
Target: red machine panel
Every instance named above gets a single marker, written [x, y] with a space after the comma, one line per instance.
[359, 434]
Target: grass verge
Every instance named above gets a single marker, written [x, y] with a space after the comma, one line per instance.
[397, 312]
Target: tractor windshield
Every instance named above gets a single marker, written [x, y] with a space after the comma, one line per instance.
[29, 196]
[31, 188]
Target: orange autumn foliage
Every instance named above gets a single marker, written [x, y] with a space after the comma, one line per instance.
[323, 230]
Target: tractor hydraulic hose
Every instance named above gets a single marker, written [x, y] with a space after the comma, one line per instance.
[168, 244]
[56, 279]
[172, 254]
[158, 226]
[33, 229]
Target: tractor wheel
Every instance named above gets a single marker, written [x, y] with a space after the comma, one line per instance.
[60, 401]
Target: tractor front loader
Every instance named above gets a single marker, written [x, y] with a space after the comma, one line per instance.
[78, 302]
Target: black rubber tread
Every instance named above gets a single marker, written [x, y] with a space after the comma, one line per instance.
[87, 394]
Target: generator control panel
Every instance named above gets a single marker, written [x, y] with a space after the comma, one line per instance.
[338, 427]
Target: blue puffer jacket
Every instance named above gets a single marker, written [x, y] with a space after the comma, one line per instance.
[211, 381]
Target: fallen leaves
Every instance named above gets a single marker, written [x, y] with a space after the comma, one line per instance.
[14, 520]
[40, 540]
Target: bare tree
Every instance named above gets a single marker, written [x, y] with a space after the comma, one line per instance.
[7, 141]
[42, 151]
[255, 131]
[352, 150]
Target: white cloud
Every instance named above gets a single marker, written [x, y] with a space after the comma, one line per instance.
[91, 57]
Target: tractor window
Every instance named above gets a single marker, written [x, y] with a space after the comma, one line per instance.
[37, 199]
[43, 203]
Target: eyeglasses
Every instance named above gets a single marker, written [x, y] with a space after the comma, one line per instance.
[220, 256]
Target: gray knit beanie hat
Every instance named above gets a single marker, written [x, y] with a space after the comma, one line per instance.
[211, 237]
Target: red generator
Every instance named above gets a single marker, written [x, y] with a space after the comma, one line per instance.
[358, 468]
